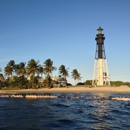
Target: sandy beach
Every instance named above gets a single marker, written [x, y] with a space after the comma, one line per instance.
[71, 90]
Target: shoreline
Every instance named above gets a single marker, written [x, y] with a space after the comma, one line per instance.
[70, 90]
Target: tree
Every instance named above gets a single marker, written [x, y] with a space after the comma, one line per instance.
[10, 68]
[18, 82]
[76, 75]
[88, 82]
[1, 80]
[1, 75]
[41, 70]
[8, 71]
[48, 81]
[20, 69]
[48, 67]
[11, 63]
[63, 71]
[33, 68]
[80, 83]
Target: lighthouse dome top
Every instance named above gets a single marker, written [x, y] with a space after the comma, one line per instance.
[99, 30]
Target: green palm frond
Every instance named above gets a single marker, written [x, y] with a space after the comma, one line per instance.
[63, 71]
[33, 67]
[8, 71]
[76, 75]
[11, 63]
[48, 66]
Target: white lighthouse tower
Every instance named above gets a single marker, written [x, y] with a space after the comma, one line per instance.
[101, 75]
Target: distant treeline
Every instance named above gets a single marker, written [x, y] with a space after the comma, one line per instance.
[35, 75]
[113, 83]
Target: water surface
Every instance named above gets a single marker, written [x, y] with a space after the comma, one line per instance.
[65, 114]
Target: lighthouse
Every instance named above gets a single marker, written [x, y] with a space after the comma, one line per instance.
[101, 75]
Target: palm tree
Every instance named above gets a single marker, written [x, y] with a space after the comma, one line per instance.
[20, 69]
[63, 72]
[41, 70]
[11, 63]
[48, 67]
[8, 70]
[76, 75]
[1, 76]
[1, 79]
[48, 81]
[33, 68]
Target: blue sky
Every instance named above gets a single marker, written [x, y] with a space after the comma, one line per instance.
[65, 31]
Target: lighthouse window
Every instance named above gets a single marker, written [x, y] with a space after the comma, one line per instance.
[99, 32]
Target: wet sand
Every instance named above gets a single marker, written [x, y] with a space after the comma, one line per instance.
[70, 90]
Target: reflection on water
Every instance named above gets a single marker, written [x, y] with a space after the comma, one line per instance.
[64, 113]
[100, 114]
[102, 94]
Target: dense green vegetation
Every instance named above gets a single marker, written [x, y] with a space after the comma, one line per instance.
[113, 83]
[120, 83]
[21, 76]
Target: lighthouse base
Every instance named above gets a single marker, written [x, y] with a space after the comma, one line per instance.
[100, 74]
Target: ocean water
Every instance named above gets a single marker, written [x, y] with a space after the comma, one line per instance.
[65, 114]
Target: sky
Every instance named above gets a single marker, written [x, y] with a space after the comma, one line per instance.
[65, 31]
